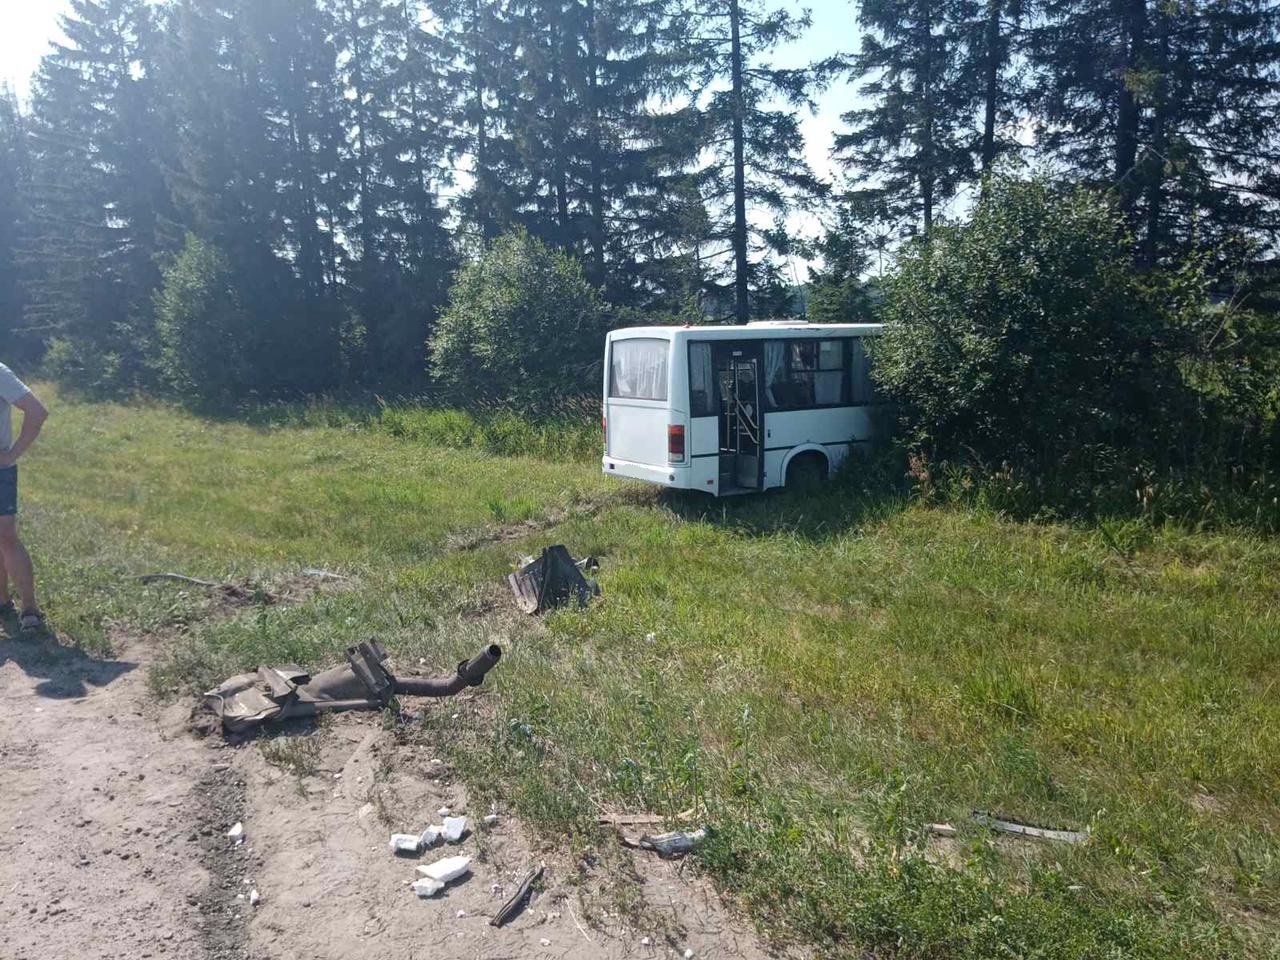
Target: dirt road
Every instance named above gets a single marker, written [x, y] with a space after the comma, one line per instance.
[113, 821]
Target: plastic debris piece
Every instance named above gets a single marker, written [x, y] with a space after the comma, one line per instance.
[454, 828]
[236, 833]
[645, 941]
[552, 579]
[443, 812]
[688, 953]
[1004, 825]
[254, 898]
[491, 819]
[941, 829]
[461, 914]
[446, 870]
[545, 942]
[674, 844]
[426, 887]
[405, 844]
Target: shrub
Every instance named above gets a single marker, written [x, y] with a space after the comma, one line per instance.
[1026, 337]
[203, 330]
[522, 323]
[221, 340]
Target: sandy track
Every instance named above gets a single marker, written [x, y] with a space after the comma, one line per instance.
[95, 820]
[112, 843]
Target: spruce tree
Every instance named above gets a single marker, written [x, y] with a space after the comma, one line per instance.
[15, 177]
[98, 195]
[752, 129]
[912, 145]
[1173, 105]
[253, 97]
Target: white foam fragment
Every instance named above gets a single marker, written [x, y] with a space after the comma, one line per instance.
[236, 833]
[254, 897]
[446, 869]
[454, 828]
[430, 837]
[405, 843]
[426, 887]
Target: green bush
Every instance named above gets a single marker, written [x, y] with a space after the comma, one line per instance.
[203, 329]
[522, 324]
[220, 342]
[1026, 337]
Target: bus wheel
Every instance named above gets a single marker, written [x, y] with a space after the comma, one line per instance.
[808, 471]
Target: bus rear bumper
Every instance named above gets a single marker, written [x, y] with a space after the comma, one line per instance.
[678, 476]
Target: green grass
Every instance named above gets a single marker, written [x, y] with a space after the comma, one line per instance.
[820, 676]
[570, 433]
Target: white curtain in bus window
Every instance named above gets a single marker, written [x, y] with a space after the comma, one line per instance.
[639, 370]
[814, 375]
[702, 390]
[775, 373]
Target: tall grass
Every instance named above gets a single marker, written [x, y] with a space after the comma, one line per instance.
[568, 429]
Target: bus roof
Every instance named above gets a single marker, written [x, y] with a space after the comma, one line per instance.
[751, 331]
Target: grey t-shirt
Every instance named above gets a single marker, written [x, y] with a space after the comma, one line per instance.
[11, 391]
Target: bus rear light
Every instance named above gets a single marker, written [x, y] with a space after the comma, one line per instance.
[675, 442]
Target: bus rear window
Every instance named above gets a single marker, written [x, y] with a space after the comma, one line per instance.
[638, 369]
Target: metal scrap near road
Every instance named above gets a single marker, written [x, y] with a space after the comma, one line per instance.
[271, 694]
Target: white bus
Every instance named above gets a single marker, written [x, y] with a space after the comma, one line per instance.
[731, 410]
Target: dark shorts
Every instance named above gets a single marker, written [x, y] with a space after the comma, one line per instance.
[9, 491]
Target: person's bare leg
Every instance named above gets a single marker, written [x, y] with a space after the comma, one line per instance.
[5, 595]
[17, 562]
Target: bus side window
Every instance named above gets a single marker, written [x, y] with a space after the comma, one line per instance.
[702, 387]
[806, 373]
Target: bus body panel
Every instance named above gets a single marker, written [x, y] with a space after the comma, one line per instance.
[704, 453]
[636, 431]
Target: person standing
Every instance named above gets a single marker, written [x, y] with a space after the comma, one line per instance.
[15, 562]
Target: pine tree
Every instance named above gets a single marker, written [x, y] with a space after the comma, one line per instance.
[98, 194]
[15, 178]
[992, 42]
[1173, 104]
[913, 144]
[253, 96]
[392, 161]
[752, 128]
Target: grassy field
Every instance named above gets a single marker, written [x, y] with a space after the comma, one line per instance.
[820, 676]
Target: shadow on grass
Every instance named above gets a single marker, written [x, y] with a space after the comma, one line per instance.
[848, 502]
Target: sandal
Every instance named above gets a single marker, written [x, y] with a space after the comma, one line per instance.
[32, 620]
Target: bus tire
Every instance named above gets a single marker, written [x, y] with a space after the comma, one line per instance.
[807, 471]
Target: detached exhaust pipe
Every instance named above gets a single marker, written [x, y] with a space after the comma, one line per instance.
[272, 694]
[470, 673]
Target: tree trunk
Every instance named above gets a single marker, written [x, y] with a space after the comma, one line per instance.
[1127, 115]
[1153, 240]
[368, 254]
[991, 93]
[741, 308]
[484, 211]
[927, 177]
[596, 186]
